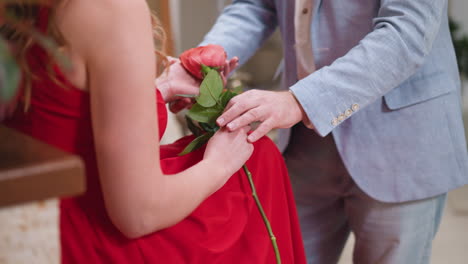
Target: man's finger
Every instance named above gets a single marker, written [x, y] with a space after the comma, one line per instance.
[233, 63]
[229, 66]
[246, 129]
[224, 78]
[234, 109]
[252, 115]
[261, 131]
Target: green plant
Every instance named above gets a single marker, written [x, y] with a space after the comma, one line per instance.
[9, 73]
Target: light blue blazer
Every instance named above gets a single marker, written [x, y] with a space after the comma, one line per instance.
[393, 60]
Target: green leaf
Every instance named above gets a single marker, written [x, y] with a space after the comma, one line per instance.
[212, 127]
[196, 143]
[204, 114]
[226, 97]
[210, 89]
[237, 89]
[193, 128]
[205, 69]
[187, 95]
[10, 73]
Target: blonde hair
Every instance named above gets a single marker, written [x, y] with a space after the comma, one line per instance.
[20, 29]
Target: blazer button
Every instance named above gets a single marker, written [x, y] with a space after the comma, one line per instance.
[348, 113]
[355, 107]
[341, 118]
[334, 122]
[305, 11]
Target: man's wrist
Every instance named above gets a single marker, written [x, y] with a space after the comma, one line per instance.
[305, 119]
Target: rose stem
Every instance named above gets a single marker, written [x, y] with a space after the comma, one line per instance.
[265, 219]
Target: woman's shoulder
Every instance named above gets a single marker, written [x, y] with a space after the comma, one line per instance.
[86, 16]
[84, 20]
[89, 7]
[92, 27]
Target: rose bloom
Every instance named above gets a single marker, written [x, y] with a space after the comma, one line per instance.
[211, 55]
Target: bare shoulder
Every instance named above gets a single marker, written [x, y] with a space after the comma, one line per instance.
[86, 20]
[93, 29]
[90, 8]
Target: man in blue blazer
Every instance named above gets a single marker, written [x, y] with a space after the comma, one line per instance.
[382, 141]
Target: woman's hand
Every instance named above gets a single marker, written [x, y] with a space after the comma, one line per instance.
[228, 151]
[176, 80]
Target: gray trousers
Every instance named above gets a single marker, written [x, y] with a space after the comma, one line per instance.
[331, 206]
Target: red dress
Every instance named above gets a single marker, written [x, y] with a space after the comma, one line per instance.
[225, 228]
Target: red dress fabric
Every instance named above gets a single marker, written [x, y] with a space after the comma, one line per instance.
[225, 228]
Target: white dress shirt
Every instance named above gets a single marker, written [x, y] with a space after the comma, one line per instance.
[304, 54]
[303, 21]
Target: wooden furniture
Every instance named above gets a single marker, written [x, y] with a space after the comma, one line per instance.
[31, 170]
[33, 176]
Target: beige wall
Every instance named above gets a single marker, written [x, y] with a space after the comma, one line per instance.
[458, 10]
[194, 19]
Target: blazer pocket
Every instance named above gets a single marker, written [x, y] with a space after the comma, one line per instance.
[419, 89]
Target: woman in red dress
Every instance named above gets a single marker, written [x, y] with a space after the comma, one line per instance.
[196, 208]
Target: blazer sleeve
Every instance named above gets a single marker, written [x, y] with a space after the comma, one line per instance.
[401, 38]
[243, 27]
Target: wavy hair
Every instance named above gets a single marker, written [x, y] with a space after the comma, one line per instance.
[20, 29]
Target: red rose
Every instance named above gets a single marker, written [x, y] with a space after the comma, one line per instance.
[210, 55]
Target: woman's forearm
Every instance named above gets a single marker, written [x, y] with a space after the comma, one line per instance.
[169, 199]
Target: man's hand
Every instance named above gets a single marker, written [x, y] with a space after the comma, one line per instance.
[229, 67]
[272, 109]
